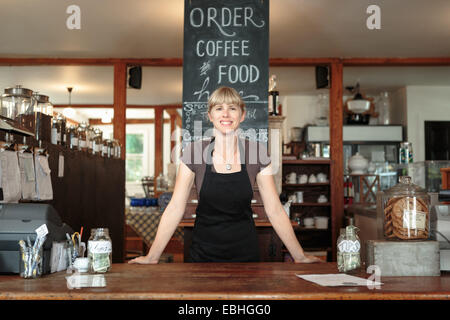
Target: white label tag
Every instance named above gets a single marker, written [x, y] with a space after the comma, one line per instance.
[42, 231]
[99, 246]
[61, 166]
[349, 246]
[413, 219]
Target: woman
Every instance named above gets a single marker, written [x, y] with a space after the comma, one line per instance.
[224, 170]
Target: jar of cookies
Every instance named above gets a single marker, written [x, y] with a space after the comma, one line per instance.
[406, 211]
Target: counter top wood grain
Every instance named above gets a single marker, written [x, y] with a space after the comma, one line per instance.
[221, 281]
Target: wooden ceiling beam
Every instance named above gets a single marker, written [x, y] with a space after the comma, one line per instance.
[274, 62]
[110, 106]
[98, 122]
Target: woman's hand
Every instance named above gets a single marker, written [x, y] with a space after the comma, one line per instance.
[309, 259]
[142, 260]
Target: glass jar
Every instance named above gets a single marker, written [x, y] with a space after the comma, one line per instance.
[43, 111]
[16, 101]
[55, 131]
[405, 153]
[90, 136]
[72, 136]
[406, 211]
[82, 136]
[100, 251]
[110, 148]
[97, 144]
[348, 250]
[62, 129]
[384, 109]
[105, 148]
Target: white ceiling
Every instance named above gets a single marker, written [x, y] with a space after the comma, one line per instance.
[154, 29]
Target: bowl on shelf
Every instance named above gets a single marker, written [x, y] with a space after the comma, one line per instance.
[321, 222]
[358, 106]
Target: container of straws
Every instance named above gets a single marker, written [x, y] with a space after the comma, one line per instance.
[31, 258]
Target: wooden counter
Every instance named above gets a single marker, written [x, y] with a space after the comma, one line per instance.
[254, 281]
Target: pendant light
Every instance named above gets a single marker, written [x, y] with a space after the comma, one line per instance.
[69, 112]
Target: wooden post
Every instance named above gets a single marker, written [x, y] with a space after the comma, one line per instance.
[336, 151]
[159, 121]
[120, 101]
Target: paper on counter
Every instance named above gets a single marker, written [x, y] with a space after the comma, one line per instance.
[77, 281]
[339, 279]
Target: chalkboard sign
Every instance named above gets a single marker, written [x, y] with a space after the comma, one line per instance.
[226, 43]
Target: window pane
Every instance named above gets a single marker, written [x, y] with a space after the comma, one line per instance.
[135, 143]
[134, 168]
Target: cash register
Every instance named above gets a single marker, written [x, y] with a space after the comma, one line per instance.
[18, 221]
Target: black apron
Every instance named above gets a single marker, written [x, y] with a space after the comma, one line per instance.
[224, 230]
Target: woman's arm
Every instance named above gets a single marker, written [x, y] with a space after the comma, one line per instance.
[171, 216]
[278, 217]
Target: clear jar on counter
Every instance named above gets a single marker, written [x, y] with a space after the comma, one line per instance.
[62, 129]
[97, 146]
[348, 250]
[16, 101]
[406, 209]
[55, 131]
[90, 137]
[82, 136]
[100, 251]
[110, 148]
[105, 148]
[72, 137]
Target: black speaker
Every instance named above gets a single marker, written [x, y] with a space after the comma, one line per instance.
[322, 80]
[135, 79]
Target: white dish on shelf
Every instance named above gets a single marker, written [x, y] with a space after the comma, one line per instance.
[321, 222]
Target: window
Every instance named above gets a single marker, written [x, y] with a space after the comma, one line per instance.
[134, 163]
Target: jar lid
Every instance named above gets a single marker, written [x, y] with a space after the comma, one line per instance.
[406, 188]
[18, 91]
[40, 97]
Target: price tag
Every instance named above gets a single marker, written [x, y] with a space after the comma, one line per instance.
[42, 231]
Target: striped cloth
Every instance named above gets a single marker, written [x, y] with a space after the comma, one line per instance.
[145, 224]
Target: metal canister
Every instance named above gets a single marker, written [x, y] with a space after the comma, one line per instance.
[405, 152]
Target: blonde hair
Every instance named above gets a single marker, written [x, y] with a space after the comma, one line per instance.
[225, 95]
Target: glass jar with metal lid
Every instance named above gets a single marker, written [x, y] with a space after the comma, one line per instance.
[406, 210]
[82, 136]
[43, 111]
[16, 101]
[62, 129]
[90, 135]
[72, 137]
[97, 145]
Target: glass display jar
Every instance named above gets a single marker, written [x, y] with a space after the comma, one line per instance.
[348, 250]
[55, 131]
[72, 137]
[105, 148]
[406, 211]
[100, 251]
[16, 101]
[90, 137]
[62, 129]
[384, 109]
[82, 136]
[43, 111]
[97, 145]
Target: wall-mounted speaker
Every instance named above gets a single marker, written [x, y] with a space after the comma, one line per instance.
[135, 77]
[322, 77]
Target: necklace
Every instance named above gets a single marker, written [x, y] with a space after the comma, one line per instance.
[228, 166]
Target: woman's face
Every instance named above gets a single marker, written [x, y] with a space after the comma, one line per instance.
[226, 117]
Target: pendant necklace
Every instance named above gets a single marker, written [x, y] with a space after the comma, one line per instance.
[228, 166]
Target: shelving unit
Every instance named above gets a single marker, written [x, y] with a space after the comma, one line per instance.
[311, 239]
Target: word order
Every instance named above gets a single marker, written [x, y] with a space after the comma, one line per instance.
[235, 17]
